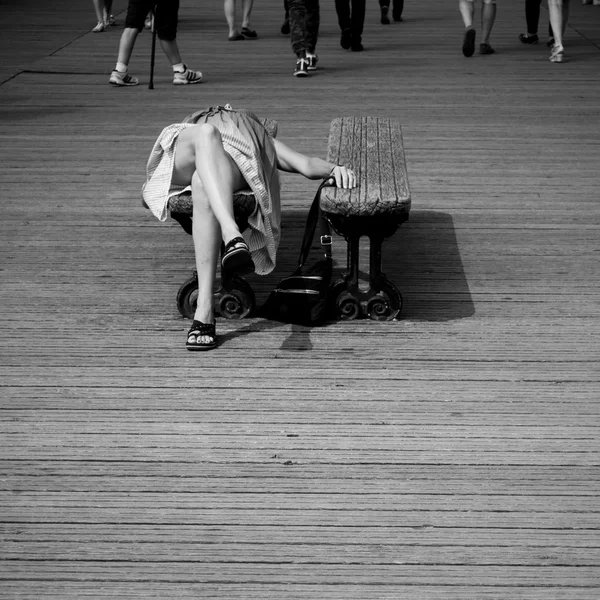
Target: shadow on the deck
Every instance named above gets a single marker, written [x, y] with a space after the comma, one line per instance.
[421, 259]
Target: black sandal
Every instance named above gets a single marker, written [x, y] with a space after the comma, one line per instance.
[236, 257]
[200, 329]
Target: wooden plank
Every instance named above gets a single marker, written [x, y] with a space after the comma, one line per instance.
[450, 455]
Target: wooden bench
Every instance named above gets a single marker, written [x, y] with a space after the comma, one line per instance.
[380, 203]
[235, 298]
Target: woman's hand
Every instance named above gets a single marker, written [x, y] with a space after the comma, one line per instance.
[344, 177]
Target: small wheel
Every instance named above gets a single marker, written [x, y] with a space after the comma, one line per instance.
[237, 300]
[187, 297]
[385, 305]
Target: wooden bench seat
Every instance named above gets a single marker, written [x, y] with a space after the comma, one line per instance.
[380, 203]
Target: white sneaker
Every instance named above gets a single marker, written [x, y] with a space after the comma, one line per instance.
[122, 79]
[188, 76]
[101, 26]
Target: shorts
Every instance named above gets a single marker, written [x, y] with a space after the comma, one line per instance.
[167, 16]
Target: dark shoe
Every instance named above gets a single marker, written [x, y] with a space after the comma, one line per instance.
[301, 69]
[468, 47]
[199, 330]
[529, 39]
[236, 38]
[486, 49]
[397, 17]
[357, 47]
[249, 34]
[285, 28]
[346, 39]
[236, 257]
[384, 15]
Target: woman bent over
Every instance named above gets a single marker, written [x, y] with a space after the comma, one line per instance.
[224, 151]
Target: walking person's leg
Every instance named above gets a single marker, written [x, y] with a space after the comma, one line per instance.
[488, 16]
[229, 8]
[342, 9]
[167, 20]
[397, 10]
[384, 7]
[285, 27]
[467, 12]
[299, 35]
[246, 12]
[98, 9]
[357, 20]
[559, 14]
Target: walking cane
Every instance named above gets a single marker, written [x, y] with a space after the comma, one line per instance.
[153, 51]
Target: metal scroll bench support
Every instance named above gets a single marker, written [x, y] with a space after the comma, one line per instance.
[380, 203]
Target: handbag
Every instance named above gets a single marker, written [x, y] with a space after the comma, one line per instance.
[302, 298]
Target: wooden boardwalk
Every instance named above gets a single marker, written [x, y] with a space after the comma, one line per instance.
[451, 455]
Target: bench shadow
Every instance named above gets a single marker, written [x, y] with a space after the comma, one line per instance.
[422, 259]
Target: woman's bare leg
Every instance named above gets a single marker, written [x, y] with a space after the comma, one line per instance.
[98, 8]
[207, 242]
[200, 149]
[556, 10]
[229, 6]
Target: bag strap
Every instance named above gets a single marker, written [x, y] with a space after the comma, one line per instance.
[314, 216]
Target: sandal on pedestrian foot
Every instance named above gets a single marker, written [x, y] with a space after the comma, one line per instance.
[468, 46]
[196, 332]
[557, 55]
[236, 257]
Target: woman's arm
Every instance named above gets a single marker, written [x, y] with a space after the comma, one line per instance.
[312, 167]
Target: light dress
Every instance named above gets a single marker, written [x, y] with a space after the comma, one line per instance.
[250, 146]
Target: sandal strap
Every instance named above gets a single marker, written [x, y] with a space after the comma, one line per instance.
[200, 328]
[234, 242]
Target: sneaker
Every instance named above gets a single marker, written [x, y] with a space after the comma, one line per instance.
[312, 60]
[557, 54]
[187, 76]
[101, 26]
[529, 39]
[385, 20]
[468, 47]
[357, 47]
[301, 69]
[486, 49]
[122, 79]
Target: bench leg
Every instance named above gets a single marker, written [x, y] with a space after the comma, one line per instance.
[382, 301]
[233, 300]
